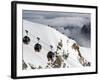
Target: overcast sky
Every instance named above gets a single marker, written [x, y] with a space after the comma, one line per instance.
[56, 18]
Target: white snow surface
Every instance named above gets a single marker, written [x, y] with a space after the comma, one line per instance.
[49, 36]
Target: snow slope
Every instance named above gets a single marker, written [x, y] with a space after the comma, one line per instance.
[48, 36]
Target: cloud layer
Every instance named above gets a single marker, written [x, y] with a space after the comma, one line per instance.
[69, 23]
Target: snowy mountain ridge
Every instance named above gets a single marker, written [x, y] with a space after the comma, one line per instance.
[48, 36]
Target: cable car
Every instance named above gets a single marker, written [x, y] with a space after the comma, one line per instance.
[50, 54]
[38, 46]
[26, 39]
